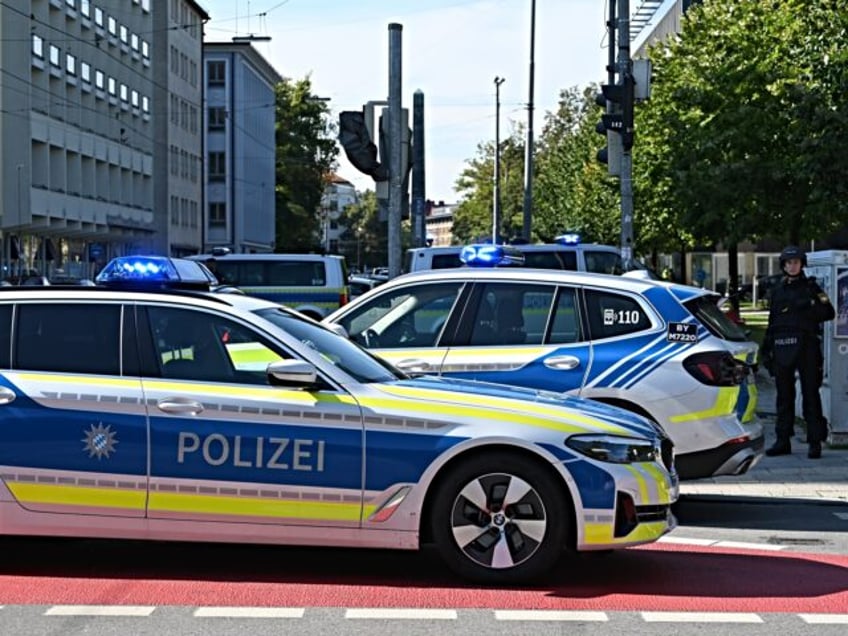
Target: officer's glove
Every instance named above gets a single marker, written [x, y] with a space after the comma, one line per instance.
[767, 360]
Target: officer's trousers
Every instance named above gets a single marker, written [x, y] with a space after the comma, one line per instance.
[809, 367]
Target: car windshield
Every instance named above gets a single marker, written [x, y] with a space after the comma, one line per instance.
[706, 310]
[339, 351]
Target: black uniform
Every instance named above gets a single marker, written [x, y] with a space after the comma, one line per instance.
[797, 306]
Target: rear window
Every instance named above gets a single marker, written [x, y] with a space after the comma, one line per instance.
[551, 260]
[708, 313]
[600, 262]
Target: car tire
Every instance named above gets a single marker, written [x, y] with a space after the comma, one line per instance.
[501, 518]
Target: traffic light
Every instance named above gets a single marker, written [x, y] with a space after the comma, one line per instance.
[617, 122]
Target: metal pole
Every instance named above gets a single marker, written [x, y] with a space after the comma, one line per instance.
[418, 181]
[528, 147]
[625, 68]
[395, 143]
[496, 216]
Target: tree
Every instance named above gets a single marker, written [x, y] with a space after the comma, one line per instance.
[364, 239]
[306, 153]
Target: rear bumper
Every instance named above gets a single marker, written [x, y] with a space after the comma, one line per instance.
[734, 457]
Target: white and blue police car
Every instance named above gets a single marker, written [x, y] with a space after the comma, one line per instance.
[149, 407]
[657, 349]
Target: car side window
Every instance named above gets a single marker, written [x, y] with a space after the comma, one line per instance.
[566, 328]
[68, 338]
[560, 259]
[411, 316]
[5, 336]
[512, 314]
[612, 314]
[196, 345]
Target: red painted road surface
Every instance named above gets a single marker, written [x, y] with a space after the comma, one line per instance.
[654, 578]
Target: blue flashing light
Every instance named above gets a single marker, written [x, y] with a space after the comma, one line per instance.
[156, 272]
[569, 238]
[488, 255]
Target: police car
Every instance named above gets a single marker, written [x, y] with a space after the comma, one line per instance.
[661, 350]
[151, 408]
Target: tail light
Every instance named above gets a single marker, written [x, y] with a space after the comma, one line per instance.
[343, 297]
[716, 368]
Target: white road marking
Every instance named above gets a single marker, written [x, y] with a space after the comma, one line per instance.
[249, 612]
[404, 614]
[100, 610]
[549, 615]
[825, 619]
[685, 541]
[700, 617]
[749, 546]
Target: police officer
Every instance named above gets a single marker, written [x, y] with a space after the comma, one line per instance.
[797, 306]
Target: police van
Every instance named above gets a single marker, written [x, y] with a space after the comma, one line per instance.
[313, 284]
[150, 407]
[567, 253]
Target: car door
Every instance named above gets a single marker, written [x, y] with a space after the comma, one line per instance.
[73, 424]
[407, 325]
[228, 446]
[527, 334]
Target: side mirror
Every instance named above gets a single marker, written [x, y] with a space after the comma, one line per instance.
[292, 373]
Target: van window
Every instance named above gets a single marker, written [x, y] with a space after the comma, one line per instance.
[68, 338]
[551, 260]
[275, 273]
[600, 262]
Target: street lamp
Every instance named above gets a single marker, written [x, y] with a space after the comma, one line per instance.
[496, 212]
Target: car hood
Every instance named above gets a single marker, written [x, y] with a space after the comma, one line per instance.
[578, 415]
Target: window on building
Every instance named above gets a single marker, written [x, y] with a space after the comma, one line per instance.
[37, 46]
[217, 166]
[134, 42]
[145, 49]
[125, 35]
[112, 25]
[85, 71]
[134, 98]
[145, 104]
[217, 117]
[54, 55]
[98, 16]
[70, 64]
[125, 93]
[85, 8]
[217, 214]
[215, 72]
[112, 86]
[99, 79]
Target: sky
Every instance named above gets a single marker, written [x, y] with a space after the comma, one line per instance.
[452, 50]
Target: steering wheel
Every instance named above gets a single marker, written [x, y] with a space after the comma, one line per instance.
[371, 338]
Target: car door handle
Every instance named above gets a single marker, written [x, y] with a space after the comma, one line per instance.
[6, 395]
[562, 363]
[413, 365]
[180, 406]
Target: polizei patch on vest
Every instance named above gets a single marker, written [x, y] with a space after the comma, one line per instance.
[682, 332]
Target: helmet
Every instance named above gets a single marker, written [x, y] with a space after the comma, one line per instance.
[793, 251]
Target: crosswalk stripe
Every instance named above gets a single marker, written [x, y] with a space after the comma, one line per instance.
[249, 612]
[825, 619]
[550, 615]
[700, 617]
[100, 610]
[405, 614]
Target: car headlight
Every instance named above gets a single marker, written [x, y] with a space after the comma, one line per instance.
[613, 449]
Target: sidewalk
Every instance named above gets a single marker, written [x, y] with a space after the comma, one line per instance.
[790, 476]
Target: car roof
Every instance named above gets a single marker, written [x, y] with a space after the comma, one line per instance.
[524, 247]
[523, 274]
[264, 257]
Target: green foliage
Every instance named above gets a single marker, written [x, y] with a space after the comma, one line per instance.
[306, 153]
[364, 241]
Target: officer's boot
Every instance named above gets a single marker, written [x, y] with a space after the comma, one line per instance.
[780, 447]
[815, 450]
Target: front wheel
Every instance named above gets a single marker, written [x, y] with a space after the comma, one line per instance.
[500, 518]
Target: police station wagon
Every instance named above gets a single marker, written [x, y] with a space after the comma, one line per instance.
[138, 412]
[660, 350]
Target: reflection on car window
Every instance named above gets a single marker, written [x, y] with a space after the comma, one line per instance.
[333, 348]
[613, 314]
[412, 316]
[566, 326]
[512, 314]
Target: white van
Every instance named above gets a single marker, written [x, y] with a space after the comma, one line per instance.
[581, 257]
[313, 284]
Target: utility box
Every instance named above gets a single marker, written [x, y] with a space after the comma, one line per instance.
[830, 267]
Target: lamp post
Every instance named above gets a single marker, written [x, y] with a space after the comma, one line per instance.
[496, 212]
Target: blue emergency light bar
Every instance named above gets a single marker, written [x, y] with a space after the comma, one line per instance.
[155, 272]
[488, 255]
[569, 238]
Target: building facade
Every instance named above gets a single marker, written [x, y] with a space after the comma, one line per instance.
[178, 138]
[240, 150]
[338, 194]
